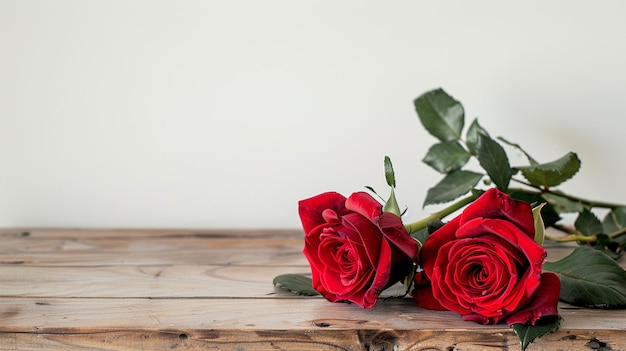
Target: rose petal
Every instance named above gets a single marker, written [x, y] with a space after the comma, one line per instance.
[498, 205]
[388, 223]
[435, 241]
[444, 289]
[382, 277]
[360, 230]
[474, 317]
[423, 293]
[544, 303]
[393, 229]
[364, 204]
[507, 231]
[503, 234]
[311, 209]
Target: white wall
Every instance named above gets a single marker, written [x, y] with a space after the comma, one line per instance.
[226, 113]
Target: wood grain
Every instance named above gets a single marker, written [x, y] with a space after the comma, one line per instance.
[105, 289]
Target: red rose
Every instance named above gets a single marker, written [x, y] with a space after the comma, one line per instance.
[354, 249]
[485, 265]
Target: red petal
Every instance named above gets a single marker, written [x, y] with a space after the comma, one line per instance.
[474, 317]
[363, 232]
[382, 277]
[544, 302]
[435, 241]
[423, 293]
[498, 205]
[393, 229]
[365, 205]
[311, 209]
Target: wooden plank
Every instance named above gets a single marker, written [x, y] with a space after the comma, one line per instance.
[54, 315]
[142, 281]
[149, 234]
[91, 251]
[254, 324]
[102, 247]
[249, 257]
[311, 340]
[160, 289]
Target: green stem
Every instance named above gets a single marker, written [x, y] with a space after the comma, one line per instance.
[573, 237]
[617, 233]
[586, 202]
[422, 223]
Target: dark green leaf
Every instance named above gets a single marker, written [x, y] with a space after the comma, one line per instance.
[295, 283]
[494, 161]
[441, 115]
[452, 186]
[528, 333]
[590, 278]
[552, 173]
[562, 204]
[615, 220]
[471, 137]
[389, 175]
[587, 223]
[610, 247]
[423, 234]
[447, 156]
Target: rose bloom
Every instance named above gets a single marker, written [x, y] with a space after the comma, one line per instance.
[485, 265]
[355, 250]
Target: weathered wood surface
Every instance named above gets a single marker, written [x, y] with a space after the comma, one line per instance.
[71, 289]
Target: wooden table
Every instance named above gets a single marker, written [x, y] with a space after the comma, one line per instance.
[70, 289]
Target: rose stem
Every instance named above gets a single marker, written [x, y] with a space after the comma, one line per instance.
[589, 203]
[584, 238]
[422, 223]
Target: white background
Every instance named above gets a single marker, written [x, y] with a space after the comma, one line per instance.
[226, 113]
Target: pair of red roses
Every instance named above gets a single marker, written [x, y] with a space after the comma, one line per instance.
[484, 264]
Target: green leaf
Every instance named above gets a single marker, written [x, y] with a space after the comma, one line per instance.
[552, 173]
[471, 137]
[528, 333]
[452, 186]
[587, 223]
[441, 115]
[562, 204]
[590, 278]
[540, 229]
[614, 220]
[295, 283]
[446, 157]
[608, 246]
[422, 235]
[389, 175]
[391, 205]
[494, 161]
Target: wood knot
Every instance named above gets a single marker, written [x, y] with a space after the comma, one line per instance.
[373, 340]
[596, 344]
